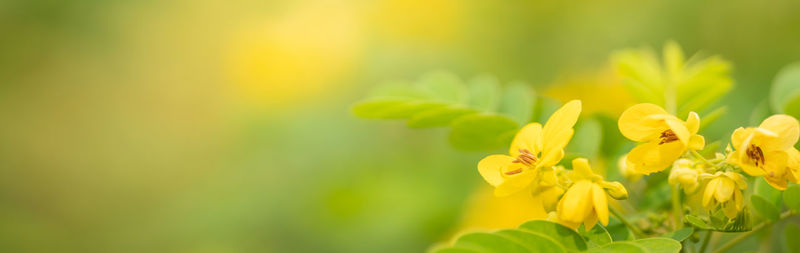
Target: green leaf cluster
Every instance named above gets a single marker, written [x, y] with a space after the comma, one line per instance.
[675, 83]
[784, 95]
[480, 113]
[545, 236]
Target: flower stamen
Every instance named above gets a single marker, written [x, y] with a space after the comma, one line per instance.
[755, 153]
[667, 136]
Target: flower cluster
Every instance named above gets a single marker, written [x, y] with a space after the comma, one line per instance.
[577, 197]
[767, 150]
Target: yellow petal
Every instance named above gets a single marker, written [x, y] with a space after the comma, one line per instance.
[574, 206]
[590, 221]
[679, 129]
[725, 189]
[693, 122]
[631, 122]
[793, 165]
[739, 136]
[553, 147]
[696, 142]
[558, 130]
[775, 169]
[551, 158]
[786, 127]
[564, 118]
[651, 157]
[491, 168]
[549, 197]
[615, 190]
[582, 168]
[515, 183]
[729, 209]
[738, 200]
[529, 138]
[600, 203]
[711, 187]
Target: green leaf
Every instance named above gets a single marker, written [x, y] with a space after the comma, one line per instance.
[712, 116]
[570, 239]
[440, 99]
[455, 250]
[484, 93]
[763, 189]
[444, 87]
[479, 132]
[659, 245]
[517, 102]
[438, 117]
[785, 90]
[534, 242]
[486, 242]
[791, 197]
[587, 139]
[618, 231]
[545, 106]
[697, 222]
[759, 113]
[649, 245]
[595, 237]
[790, 233]
[680, 234]
[764, 208]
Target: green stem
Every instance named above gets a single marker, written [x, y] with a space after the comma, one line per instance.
[744, 235]
[639, 233]
[677, 208]
[705, 241]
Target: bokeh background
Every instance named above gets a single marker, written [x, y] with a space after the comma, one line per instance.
[225, 126]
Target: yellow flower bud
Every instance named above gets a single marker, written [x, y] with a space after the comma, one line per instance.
[615, 190]
[684, 174]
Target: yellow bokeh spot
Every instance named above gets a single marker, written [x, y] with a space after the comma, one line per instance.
[600, 92]
[295, 56]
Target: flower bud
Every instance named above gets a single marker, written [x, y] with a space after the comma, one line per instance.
[626, 171]
[684, 174]
[615, 190]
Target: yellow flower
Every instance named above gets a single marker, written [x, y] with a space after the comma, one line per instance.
[765, 150]
[665, 136]
[626, 172]
[685, 174]
[725, 188]
[533, 147]
[586, 201]
[549, 189]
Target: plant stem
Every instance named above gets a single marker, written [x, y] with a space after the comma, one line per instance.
[744, 235]
[624, 221]
[705, 241]
[677, 209]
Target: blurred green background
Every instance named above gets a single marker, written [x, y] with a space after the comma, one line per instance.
[225, 126]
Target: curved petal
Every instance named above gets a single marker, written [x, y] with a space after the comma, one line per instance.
[775, 168]
[725, 189]
[564, 118]
[529, 137]
[696, 142]
[600, 203]
[786, 127]
[711, 187]
[631, 122]
[491, 168]
[590, 221]
[515, 183]
[651, 157]
[739, 136]
[574, 206]
[793, 165]
[679, 129]
[581, 167]
[551, 158]
[693, 122]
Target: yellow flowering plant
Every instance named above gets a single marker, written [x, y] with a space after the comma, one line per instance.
[651, 178]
